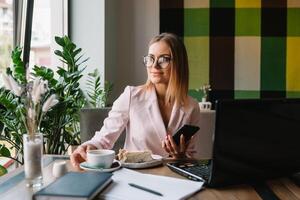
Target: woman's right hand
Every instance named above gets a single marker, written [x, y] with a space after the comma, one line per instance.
[79, 155]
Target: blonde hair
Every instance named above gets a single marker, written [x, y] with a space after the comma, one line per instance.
[177, 90]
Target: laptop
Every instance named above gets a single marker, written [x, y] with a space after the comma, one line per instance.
[254, 140]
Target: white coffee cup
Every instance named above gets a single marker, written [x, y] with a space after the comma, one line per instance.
[59, 168]
[100, 158]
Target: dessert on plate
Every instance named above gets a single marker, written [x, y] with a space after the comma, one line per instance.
[134, 156]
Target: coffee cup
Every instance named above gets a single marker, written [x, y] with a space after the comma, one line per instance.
[100, 158]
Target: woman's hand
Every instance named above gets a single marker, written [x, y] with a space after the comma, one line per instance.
[174, 150]
[79, 155]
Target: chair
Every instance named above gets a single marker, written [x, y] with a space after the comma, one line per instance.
[206, 134]
[91, 120]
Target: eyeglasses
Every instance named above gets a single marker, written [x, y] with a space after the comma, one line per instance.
[162, 61]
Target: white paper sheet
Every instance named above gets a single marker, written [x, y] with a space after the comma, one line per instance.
[171, 188]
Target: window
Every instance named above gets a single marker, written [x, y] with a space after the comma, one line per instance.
[41, 33]
[49, 19]
[6, 33]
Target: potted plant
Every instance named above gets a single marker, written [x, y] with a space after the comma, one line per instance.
[205, 104]
[60, 125]
[97, 108]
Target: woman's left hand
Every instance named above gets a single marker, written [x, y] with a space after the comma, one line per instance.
[174, 150]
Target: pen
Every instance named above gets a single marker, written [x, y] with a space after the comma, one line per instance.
[145, 189]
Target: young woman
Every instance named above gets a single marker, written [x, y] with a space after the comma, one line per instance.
[151, 113]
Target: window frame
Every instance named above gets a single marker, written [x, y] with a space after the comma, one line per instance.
[23, 17]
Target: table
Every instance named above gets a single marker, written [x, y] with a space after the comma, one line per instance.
[12, 186]
[284, 188]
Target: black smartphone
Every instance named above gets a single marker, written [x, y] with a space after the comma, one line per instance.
[187, 130]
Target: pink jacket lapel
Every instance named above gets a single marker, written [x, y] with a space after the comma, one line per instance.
[153, 111]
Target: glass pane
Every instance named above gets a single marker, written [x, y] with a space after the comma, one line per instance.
[40, 53]
[6, 45]
[6, 33]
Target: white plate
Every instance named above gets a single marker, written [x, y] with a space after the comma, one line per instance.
[157, 160]
[116, 165]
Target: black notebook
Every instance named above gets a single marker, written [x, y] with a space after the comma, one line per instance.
[75, 185]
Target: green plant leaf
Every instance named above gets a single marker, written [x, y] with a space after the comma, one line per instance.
[98, 95]
[46, 74]
[84, 61]
[77, 51]
[4, 151]
[3, 170]
[18, 72]
[58, 53]
[59, 41]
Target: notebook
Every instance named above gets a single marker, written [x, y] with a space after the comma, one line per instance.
[170, 188]
[254, 140]
[75, 185]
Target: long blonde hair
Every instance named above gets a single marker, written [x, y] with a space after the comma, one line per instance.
[178, 85]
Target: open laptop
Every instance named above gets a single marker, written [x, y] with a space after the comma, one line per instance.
[254, 140]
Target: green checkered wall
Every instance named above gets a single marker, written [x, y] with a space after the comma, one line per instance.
[243, 48]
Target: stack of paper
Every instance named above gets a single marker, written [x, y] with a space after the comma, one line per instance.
[170, 188]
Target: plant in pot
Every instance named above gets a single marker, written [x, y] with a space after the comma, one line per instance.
[60, 125]
[205, 104]
[92, 116]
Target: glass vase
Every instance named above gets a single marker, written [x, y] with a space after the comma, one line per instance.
[33, 151]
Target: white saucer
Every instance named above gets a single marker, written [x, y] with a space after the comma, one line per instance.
[157, 160]
[116, 165]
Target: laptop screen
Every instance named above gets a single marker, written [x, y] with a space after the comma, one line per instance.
[255, 140]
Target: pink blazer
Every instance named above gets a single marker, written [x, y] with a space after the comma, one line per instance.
[138, 112]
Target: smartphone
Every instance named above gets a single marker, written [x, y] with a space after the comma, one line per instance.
[187, 130]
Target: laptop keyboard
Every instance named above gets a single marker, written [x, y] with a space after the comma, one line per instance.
[199, 170]
[196, 171]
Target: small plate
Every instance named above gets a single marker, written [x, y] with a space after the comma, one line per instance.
[116, 165]
[157, 160]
